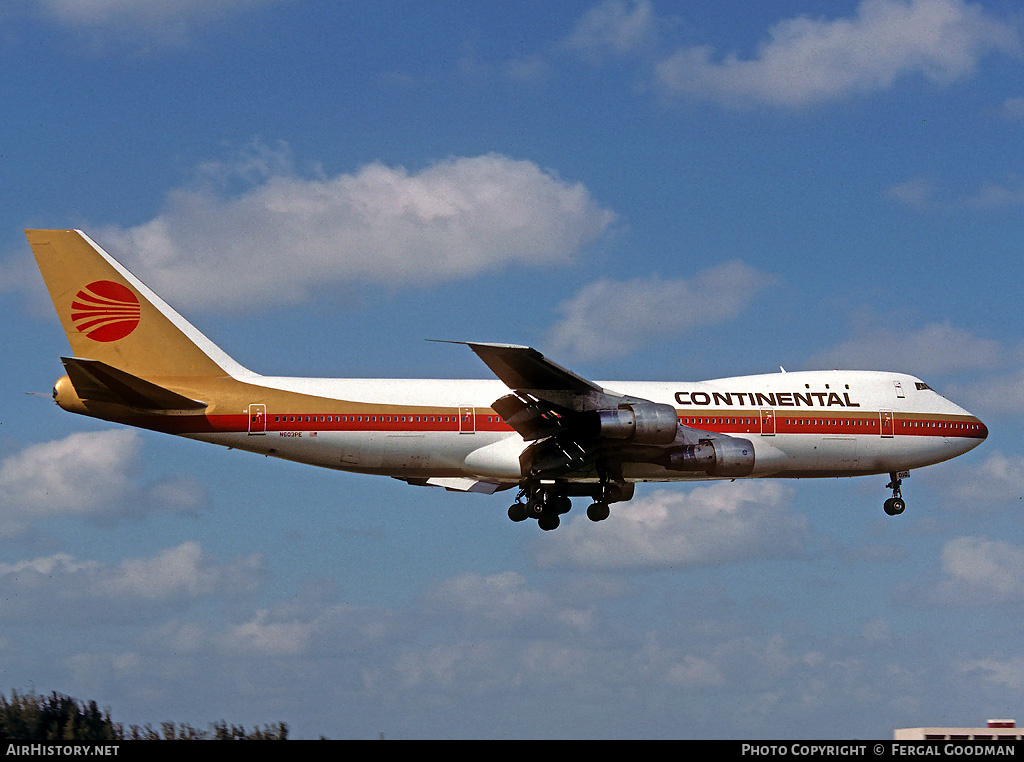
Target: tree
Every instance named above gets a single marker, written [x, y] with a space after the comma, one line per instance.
[56, 717]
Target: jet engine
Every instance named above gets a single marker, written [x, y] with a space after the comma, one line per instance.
[648, 423]
[722, 456]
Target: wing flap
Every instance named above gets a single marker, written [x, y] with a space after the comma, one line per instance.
[463, 484]
[529, 417]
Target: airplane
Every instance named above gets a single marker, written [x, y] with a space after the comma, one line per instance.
[538, 427]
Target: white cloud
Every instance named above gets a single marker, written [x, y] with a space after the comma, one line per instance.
[996, 482]
[717, 523]
[503, 596]
[78, 474]
[504, 600]
[160, 20]
[993, 195]
[1008, 671]
[980, 571]
[294, 628]
[1014, 108]
[1002, 394]
[806, 61]
[925, 195]
[287, 235]
[91, 475]
[918, 192]
[181, 572]
[263, 634]
[609, 318]
[614, 27]
[934, 349]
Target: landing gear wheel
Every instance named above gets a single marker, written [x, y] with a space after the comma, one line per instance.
[598, 511]
[517, 512]
[548, 521]
[534, 508]
[559, 504]
[894, 506]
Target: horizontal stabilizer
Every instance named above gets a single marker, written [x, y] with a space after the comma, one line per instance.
[98, 382]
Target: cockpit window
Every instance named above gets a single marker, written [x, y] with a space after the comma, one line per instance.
[921, 386]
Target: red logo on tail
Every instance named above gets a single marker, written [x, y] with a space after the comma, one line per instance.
[105, 311]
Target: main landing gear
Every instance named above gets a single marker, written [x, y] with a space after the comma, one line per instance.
[894, 506]
[548, 502]
[545, 505]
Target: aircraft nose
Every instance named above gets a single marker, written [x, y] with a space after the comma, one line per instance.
[978, 432]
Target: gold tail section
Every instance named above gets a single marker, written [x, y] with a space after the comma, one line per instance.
[94, 381]
[111, 316]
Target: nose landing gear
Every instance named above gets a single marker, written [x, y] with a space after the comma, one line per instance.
[894, 506]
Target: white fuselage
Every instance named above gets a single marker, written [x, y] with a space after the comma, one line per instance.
[802, 424]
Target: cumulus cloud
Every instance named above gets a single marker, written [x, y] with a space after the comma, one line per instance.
[504, 601]
[933, 349]
[90, 475]
[285, 235]
[925, 195]
[1014, 107]
[978, 570]
[1001, 394]
[609, 318]
[993, 195]
[159, 20]
[807, 61]
[717, 523]
[80, 473]
[178, 573]
[503, 596]
[992, 484]
[1003, 670]
[918, 193]
[265, 635]
[181, 570]
[299, 627]
[613, 28]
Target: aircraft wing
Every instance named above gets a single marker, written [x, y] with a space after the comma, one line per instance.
[525, 368]
[579, 429]
[546, 398]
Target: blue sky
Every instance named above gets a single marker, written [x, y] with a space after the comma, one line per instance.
[642, 190]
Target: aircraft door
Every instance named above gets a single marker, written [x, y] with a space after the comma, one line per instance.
[467, 420]
[767, 423]
[888, 425]
[257, 419]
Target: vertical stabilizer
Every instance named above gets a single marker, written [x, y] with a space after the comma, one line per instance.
[110, 315]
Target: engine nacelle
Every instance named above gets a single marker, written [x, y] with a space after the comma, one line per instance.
[648, 423]
[727, 456]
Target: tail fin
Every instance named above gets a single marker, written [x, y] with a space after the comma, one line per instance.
[109, 315]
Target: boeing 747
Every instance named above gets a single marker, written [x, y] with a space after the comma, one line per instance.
[538, 428]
